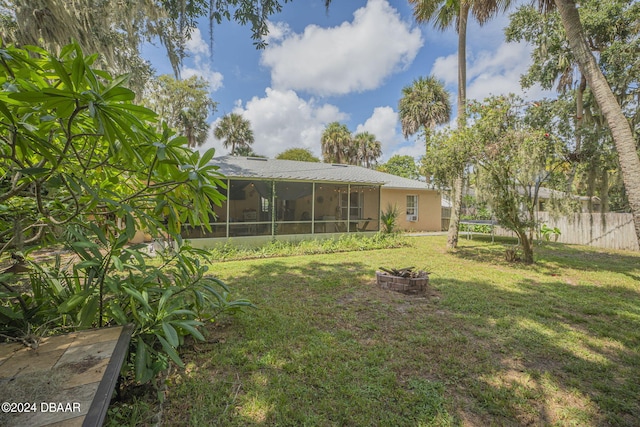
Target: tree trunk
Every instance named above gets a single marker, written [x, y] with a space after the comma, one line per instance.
[591, 183]
[462, 65]
[604, 190]
[580, 112]
[527, 249]
[579, 122]
[618, 124]
[454, 222]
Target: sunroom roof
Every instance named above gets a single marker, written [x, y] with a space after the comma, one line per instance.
[262, 168]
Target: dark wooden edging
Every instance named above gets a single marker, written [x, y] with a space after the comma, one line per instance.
[102, 398]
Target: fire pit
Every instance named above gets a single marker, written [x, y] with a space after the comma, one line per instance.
[403, 280]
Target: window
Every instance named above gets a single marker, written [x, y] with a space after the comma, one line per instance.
[354, 202]
[542, 206]
[412, 208]
[265, 205]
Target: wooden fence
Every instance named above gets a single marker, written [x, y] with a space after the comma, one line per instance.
[609, 230]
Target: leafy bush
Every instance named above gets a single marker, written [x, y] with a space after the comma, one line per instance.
[548, 233]
[117, 284]
[82, 165]
[476, 228]
[345, 243]
[482, 213]
[389, 217]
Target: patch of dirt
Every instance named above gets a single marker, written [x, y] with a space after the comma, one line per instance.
[83, 365]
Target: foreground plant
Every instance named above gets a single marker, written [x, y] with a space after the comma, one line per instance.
[389, 218]
[81, 165]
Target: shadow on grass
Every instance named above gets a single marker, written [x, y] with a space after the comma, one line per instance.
[554, 255]
[557, 352]
[328, 347]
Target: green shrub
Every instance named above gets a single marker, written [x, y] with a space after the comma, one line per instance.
[96, 170]
[549, 233]
[167, 298]
[344, 243]
[389, 217]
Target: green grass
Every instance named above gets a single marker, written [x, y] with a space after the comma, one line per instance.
[492, 343]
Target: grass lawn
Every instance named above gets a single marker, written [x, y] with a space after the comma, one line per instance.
[492, 343]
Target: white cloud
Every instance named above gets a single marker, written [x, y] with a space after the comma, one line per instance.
[499, 72]
[446, 69]
[415, 150]
[282, 120]
[203, 69]
[195, 44]
[490, 72]
[278, 31]
[353, 57]
[199, 48]
[383, 123]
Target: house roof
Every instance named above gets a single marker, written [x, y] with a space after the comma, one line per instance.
[548, 193]
[262, 168]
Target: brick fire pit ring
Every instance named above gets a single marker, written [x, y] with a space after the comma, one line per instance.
[403, 284]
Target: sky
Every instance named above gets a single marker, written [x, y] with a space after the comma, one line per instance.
[348, 64]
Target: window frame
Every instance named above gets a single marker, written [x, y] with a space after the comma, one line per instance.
[414, 207]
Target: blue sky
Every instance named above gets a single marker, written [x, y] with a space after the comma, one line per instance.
[347, 65]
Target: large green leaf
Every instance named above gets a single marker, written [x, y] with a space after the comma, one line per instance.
[130, 226]
[32, 97]
[171, 352]
[6, 112]
[34, 171]
[138, 296]
[170, 334]
[164, 298]
[142, 373]
[206, 157]
[87, 315]
[118, 314]
[189, 326]
[62, 73]
[99, 233]
[10, 314]
[71, 303]
[78, 70]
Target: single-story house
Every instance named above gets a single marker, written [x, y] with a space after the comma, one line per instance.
[285, 198]
[546, 195]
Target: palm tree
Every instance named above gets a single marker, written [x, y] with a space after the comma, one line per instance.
[618, 123]
[424, 105]
[235, 132]
[446, 13]
[336, 143]
[372, 154]
[367, 150]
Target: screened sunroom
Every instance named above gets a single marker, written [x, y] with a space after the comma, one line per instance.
[283, 198]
